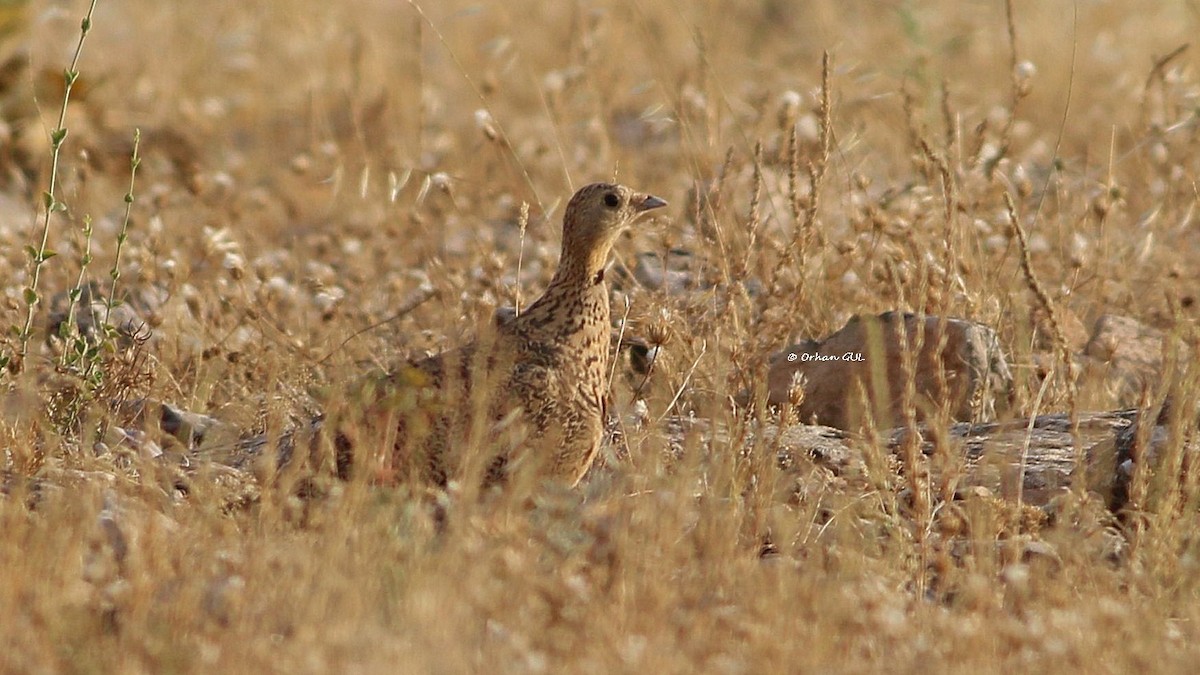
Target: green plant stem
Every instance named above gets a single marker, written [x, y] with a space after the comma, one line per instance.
[115, 273]
[70, 327]
[50, 202]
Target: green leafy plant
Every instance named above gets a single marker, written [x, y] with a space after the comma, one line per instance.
[51, 204]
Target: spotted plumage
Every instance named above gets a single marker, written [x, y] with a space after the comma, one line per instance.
[546, 367]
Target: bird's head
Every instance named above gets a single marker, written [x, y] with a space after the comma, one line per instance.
[597, 214]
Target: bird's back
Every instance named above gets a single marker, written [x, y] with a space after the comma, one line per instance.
[529, 387]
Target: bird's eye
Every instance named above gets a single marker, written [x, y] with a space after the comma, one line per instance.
[611, 200]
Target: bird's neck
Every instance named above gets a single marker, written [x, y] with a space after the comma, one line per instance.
[575, 302]
[581, 268]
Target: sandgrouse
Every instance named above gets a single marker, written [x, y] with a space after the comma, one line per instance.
[547, 366]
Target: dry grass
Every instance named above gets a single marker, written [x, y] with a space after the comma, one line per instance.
[308, 165]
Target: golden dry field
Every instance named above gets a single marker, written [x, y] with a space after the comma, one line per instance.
[327, 188]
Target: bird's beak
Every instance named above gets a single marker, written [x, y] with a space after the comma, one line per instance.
[643, 203]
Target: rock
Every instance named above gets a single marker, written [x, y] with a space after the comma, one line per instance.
[680, 272]
[1127, 453]
[1132, 351]
[827, 447]
[133, 439]
[866, 354]
[1035, 458]
[188, 427]
[1030, 459]
[1039, 454]
[15, 214]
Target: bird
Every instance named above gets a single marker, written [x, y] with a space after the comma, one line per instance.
[545, 367]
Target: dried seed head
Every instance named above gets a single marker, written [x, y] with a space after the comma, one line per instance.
[660, 332]
[1159, 154]
[554, 82]
[440, 181]
[1023, 78]
[301, 164]
[486, 124]
[796, 390]
[789, 109]
[235, 264]
[1021, 180]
